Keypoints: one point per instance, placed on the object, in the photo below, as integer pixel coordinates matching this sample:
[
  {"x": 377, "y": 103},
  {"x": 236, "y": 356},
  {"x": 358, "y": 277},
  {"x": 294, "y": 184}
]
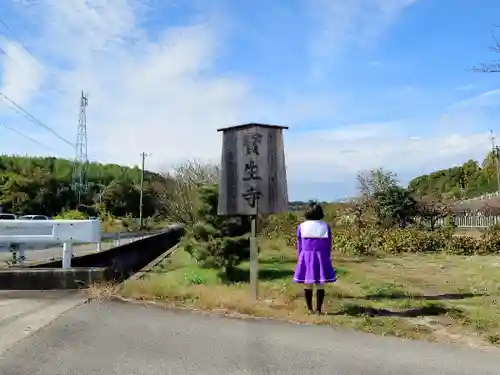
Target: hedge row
[{"x": 372, "y": 240}]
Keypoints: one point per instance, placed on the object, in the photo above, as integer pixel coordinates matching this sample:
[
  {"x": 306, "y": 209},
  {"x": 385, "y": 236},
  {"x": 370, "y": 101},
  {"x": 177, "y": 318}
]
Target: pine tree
[{"x": 218, "y": 242}]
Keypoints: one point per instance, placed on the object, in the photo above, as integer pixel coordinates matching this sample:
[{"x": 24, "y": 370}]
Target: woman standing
[{"x": 314, "y": 247}]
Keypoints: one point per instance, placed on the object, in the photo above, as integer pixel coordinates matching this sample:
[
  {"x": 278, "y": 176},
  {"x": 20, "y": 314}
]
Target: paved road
[
  {"x": 56, "y": 252},
  {"x": 116, "y": 338},
  {"x": 24, "y": 312}
]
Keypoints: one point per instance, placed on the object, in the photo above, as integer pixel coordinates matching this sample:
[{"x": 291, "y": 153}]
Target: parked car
[
  {"x": 33, "y": 217},
  {"x": 4, "y": 216}
]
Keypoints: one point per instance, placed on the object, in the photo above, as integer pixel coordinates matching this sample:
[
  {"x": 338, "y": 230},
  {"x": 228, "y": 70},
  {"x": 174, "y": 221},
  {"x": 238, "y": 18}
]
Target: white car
[
  {"x": 33, "y": 217},
  {"x": 4, "y": 216}
]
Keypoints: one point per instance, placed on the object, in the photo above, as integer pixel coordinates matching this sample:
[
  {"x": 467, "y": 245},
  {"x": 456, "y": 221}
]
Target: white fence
[
  {"x": 486, "y": 196},
  {"x": 461, "y": 221},
  {"x": 472, "y": 221}
]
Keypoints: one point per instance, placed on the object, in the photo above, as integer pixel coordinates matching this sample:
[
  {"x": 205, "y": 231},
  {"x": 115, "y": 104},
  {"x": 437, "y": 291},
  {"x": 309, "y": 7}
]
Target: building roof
[
  {"x": 476, "y": 204},
  {"x": 251, "y": 125}
]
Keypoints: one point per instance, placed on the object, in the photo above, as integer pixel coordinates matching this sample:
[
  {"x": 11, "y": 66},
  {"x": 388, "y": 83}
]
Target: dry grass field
[{"x": 437, "y": 297}]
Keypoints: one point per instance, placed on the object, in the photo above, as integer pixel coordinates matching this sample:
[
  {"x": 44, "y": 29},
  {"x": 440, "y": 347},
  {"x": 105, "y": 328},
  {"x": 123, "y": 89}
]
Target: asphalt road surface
[
  {"x": 24, "y": 312},
  {"x": 117, "y": 338},
  {"x": 56, "y": 252}
]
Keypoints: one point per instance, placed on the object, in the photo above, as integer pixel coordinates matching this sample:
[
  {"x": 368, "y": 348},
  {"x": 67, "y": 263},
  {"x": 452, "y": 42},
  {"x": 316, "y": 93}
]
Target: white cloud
[
  {"x": 21, "y": 73},
  {"x": 337, "y": 155},
  {"x": 468, "y": 87},
  {"x": 158, "y": 94},
  {"x": 161, "y": 94},
  {"x": 360, "y": 22},
  {"x": 486, "y": 99}
]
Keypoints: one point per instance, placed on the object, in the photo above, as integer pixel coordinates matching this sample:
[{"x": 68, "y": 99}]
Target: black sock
[
  {"x": 320, "y": 296},
  {"x": 308, "y": 293}
]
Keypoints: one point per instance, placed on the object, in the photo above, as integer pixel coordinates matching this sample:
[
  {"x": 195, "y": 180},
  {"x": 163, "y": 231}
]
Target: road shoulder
[{"x": 24, "y": 312}]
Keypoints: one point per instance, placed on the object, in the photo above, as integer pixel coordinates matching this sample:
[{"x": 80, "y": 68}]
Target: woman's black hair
[{"x": 314, "y": 211}]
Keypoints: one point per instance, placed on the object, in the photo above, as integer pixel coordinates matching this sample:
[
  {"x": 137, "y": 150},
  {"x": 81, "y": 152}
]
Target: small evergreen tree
[
  {"x": 219, "y": 242},
  {"x": 395, "y": 206},
  {"x": 449, "y": 222}
]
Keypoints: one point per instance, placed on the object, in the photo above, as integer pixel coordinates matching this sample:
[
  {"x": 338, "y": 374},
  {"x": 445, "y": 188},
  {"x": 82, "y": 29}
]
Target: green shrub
[
  {"x": 72, "y": 215},
  {"x": 212, "y": 250},
  {"x": 193, "y": 278},
  {"x": 129, "y": 224},
  {"x": 490, "y": 240},
  {"x": 369, "y": 241},
  {"x": 218, "y": 242},
  {"x": 282, "y": 226},
  {"x": 331, "y": 214},
  {"x": 449, "y": 222},
  {"x": 409, "y": 240},
  {"x": 462, "y": 245},
  {"x": 109, "y": 224},
  {"x": 356, "y": 242}
]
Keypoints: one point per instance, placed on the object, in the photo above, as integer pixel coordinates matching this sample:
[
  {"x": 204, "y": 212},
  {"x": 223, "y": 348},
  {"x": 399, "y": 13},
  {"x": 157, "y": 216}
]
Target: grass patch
[{"x": 446, "y": 298}]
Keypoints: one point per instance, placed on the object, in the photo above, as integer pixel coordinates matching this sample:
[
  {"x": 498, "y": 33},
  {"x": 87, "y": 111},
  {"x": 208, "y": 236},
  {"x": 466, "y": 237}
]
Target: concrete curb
[
  {"x": 221, "y": 312},
  {"x": 146, "y": 269}
]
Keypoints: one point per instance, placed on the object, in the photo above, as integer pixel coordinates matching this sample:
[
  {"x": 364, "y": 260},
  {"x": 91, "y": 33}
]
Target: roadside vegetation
[{"x": 398, "y": 274}]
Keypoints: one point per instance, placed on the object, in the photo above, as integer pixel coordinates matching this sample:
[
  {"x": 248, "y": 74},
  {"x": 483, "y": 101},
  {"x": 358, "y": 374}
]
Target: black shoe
[
  {"x": 320, "y": 296},
  {"x": 308, "y": 294}
]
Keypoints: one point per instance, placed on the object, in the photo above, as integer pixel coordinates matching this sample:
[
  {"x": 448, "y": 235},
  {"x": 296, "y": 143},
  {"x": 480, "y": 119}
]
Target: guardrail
[
  {"x": 67, "y": 232},
  {"x": 30, "y": 234},
  {"x": 118, "y": 236}
]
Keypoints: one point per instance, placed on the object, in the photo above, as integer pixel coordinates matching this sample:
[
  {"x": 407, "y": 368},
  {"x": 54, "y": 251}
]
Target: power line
[
  {"x": 25, "y": 113},
  {"x": 42, "y": 86},
  {"x": 36, "y": 121},
  {"x": 29, "y": 138},
  {"x": 23, "y": 46},
  {"x": 19, "y": 43}
]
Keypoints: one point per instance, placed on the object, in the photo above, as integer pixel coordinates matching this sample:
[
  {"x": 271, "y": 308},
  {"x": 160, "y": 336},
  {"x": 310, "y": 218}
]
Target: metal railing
[{"x": 28, "y": 237}]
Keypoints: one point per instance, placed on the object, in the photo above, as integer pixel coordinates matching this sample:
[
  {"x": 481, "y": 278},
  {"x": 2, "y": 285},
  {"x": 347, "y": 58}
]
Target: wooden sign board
[{"x": 253, "y": 171}]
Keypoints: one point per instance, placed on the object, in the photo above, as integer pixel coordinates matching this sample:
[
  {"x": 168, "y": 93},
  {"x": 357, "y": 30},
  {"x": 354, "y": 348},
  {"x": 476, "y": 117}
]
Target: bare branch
[
  {"x": 179, "y": 193},
  {"x": 486, "y": 68},
  {"x": 494, "y": 66},
  {"x": 374, "y": 181}
]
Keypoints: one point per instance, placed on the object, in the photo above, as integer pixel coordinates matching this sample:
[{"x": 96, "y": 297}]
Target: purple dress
[{"x": 314, "y": 245}]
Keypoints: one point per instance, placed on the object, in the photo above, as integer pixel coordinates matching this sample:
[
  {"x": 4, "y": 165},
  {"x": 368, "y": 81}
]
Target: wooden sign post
[{"x": 253, "y": 178}]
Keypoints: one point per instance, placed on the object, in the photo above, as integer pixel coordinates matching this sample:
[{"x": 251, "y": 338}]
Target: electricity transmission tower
[{"x": 80, "y": 183}]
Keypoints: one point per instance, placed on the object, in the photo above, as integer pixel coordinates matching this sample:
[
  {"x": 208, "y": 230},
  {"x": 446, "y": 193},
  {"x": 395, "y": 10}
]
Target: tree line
[
  {"x": 469, "y": 180},
  {"x": 43, "y": 185}
]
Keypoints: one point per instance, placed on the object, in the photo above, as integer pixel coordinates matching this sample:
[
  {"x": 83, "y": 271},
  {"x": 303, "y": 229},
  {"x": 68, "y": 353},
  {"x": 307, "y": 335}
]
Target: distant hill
[
  {"x": 42, "y": 185},
  {"x": 468, "y": 180}
]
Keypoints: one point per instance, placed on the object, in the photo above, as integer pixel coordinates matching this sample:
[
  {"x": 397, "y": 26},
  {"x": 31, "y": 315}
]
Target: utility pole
[
  {"x": 143, "y": 156},
  {"x": 496, "y": 155},
  {"x": 462, "y": 187}
]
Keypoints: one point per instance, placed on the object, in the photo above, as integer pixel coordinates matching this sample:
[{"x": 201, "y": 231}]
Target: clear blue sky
[{"x": 364, "y": 84}]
